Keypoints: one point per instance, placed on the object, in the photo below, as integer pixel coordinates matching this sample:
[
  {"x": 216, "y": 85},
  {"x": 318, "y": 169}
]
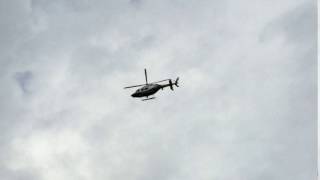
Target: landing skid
[{"x": 148, "y": 98}]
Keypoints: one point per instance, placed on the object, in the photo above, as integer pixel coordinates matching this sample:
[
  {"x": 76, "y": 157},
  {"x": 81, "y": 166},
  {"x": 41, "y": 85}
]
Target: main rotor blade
[
  {"x": 161, "y": 81},
  {"x": 134, "y": 86},
  {"x": 145, "y": 74}
]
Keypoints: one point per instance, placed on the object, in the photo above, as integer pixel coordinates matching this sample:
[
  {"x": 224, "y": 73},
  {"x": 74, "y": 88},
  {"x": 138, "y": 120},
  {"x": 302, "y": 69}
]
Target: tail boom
[{"x": 171, "y": 84}]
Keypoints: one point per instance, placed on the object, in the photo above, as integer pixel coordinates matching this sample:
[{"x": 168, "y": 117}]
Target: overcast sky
[{"x": 246, "y": 108}]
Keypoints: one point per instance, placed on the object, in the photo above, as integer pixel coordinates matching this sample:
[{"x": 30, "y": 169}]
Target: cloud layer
[{"x": 246, "y": 108}]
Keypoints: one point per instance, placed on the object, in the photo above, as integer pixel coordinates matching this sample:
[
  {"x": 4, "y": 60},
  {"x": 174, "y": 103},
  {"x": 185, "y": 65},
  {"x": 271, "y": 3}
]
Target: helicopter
[{"x": 149, "y": 89}]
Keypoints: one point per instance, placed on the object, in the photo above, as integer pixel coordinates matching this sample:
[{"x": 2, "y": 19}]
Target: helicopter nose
[{"x": 134, "y": 95}]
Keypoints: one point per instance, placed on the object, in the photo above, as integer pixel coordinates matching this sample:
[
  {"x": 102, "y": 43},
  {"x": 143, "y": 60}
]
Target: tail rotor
[{"x": 175, "y": 83}]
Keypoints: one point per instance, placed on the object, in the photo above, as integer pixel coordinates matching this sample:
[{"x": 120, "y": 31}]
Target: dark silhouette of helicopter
[{"x": 149, "y": 89}]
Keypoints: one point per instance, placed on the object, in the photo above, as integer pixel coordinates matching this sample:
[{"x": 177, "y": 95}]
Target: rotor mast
[{"x": 146, "y": 76}]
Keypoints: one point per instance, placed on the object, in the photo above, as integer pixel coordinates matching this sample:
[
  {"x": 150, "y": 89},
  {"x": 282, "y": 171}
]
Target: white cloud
[{"x": 246, "y": 108}]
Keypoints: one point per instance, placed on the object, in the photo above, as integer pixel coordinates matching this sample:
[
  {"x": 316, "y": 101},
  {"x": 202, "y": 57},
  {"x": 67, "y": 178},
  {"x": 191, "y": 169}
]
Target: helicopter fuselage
[{"x": 147, "y": 90}]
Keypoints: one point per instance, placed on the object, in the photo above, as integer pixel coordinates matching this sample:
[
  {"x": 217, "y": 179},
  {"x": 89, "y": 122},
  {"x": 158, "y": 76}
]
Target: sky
[{"x": 246, "y": 107}]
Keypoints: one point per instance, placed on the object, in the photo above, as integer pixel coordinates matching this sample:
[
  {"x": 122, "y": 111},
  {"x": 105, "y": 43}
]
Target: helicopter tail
[{"x": 175, "y": 83}]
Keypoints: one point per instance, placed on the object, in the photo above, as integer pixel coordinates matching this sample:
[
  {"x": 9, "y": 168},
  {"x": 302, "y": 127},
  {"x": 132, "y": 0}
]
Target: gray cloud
[
  {"x": 24, "y": 79},
  {"x": 246, "y": 108}
]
